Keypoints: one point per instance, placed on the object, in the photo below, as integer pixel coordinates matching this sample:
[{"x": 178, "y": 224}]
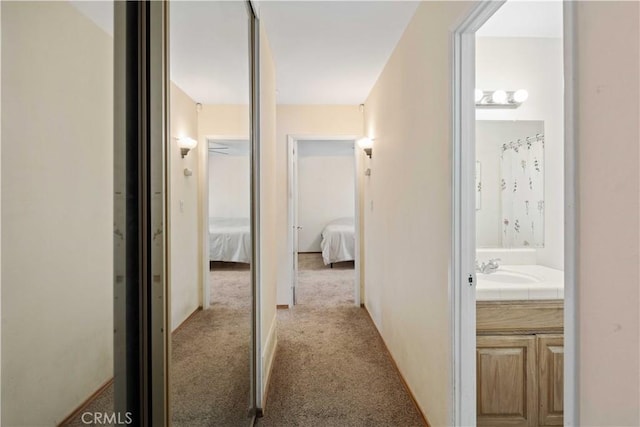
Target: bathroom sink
[{"x": 510, "y": 277}]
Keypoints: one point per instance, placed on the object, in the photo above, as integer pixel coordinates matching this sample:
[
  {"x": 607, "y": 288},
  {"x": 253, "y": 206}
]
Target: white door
[{"x": 293, "y": 214}]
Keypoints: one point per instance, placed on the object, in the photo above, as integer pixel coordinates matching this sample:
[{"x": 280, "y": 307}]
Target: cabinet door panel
[
  {"x": 551, "y": 378},
  {"x": 507, "y": 392}
]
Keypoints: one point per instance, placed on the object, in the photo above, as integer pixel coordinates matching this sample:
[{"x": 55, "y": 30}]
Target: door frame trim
[{"x": 141, "y": 230}]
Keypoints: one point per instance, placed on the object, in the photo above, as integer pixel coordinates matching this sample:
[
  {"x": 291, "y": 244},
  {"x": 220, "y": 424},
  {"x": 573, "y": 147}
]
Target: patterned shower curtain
[{"x": 522, "y": 184}]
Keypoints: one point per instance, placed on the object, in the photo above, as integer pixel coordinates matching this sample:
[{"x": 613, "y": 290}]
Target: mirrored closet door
[{"x": 210, "y": 241}]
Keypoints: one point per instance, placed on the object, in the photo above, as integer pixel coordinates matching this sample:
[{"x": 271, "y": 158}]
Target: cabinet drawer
[{"x": 519, "y": 317}]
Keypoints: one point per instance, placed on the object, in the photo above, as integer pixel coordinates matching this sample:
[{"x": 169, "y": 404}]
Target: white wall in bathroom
[{"x": 534, "y": 64}]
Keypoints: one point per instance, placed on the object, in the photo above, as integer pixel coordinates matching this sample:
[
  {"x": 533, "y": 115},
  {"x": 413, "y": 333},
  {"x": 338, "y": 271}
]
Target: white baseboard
[{"x": 267, "y": 358}]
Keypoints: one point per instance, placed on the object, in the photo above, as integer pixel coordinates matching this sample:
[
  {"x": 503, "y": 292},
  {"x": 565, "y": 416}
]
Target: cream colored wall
[
  {"x": 408, "y": 227},
  {"x": 57, "y": 211},
  {"x": 184, "y": 239},
  {"x": 408, "y": 112},
  {"x": 268, "y": 211},
  {"x": 608, "y": 137},
  {"x": 222, "y": 120},
  {"x": 316, "y": 120}
]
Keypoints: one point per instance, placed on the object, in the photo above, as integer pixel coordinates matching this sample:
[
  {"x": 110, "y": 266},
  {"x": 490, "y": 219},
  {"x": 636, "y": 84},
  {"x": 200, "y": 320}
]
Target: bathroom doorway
[{"x": 513, "y": 280}]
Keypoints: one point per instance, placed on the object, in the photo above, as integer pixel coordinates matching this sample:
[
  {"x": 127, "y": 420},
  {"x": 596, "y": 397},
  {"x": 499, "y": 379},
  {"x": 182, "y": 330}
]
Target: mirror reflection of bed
[
  {"x": 211, "y": 376},
  {"x": 325, "y": 221},
  {"x": 229, "y": 226}
]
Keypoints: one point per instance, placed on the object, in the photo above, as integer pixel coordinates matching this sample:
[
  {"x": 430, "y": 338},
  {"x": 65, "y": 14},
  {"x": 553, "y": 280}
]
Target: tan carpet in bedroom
[{"x": 331, "y": 368}]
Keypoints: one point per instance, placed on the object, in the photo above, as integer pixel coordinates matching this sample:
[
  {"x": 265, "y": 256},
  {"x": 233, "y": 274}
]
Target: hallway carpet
[{"x": 331, "y": 367}]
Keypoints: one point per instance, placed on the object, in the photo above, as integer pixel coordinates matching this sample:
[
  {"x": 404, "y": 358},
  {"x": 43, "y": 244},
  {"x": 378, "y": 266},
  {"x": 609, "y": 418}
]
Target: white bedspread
[
  {"x": 338, "y": 241},
  {"x": 229, "y": 240}
]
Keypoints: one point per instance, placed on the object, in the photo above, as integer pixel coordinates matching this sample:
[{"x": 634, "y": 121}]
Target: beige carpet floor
[{"x": 331, "y": 368}]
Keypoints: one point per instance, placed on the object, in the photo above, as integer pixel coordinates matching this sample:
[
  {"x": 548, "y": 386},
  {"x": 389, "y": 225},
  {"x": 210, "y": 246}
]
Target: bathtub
[{"x": 520, "y": 282}]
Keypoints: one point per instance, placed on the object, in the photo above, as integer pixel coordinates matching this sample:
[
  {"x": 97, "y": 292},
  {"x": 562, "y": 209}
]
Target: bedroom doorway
[{"x": 324, "y": 237}]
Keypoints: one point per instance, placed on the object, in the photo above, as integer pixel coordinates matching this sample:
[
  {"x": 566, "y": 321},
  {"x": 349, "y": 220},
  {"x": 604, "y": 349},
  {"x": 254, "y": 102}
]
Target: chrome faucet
[{"x": 488, "y": 267}]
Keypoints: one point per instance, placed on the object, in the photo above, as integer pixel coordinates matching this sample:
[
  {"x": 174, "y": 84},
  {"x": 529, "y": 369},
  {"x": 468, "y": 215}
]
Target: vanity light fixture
[
  {"x": 500, "y": 98},
  {"x": 367, "y": 145},
  {"x": 520, "y": 96},
  {"x": 186, "y": 144}
]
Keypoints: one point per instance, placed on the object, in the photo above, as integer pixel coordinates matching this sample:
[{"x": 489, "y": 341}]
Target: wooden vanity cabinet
[{"x": 519, "y": 363}]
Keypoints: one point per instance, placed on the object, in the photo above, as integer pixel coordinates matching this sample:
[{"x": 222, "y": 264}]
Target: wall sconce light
[
  {"x": 500, "y": 98},
  {"x": 367, "y": 145},
  {"x": 186, "y": 144}
]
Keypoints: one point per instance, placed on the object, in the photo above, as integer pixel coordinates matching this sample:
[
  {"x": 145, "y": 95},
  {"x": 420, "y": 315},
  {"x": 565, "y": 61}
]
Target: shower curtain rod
[{"x": 538, "y": 137}]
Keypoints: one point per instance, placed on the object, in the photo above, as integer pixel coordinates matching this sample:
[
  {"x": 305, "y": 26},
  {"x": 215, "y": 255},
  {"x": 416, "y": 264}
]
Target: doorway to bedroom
[{"x": 323, "y": 211}]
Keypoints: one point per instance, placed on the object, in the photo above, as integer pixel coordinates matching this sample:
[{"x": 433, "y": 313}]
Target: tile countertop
[{"x": 520, "y": 282}]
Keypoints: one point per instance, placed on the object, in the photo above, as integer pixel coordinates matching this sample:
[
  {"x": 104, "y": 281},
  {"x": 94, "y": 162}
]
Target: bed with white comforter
[
  {"x": 338, "y": 241},
  {"x": 229, "y": 240}
]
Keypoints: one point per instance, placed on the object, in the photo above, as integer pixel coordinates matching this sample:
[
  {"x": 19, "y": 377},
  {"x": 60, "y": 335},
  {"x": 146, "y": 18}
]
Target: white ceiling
[
  {"x": 209, "y": 50},
  {"x": 326, "y": 52},
  {"x": 521, "y": 18},
  {"x": 332, "y": 52}
]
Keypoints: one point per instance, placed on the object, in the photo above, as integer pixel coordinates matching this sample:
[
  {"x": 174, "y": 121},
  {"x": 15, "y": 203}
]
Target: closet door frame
[
  {"x": 141, "y": 332},
  {"x": 256, "y": 392}
]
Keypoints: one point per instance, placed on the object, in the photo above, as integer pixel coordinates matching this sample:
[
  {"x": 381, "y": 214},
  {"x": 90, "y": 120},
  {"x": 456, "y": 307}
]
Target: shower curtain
[{"x": 522, "y": 193}]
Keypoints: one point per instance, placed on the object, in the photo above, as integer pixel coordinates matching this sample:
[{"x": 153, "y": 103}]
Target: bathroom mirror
[{"x": 510, "y": 180}]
